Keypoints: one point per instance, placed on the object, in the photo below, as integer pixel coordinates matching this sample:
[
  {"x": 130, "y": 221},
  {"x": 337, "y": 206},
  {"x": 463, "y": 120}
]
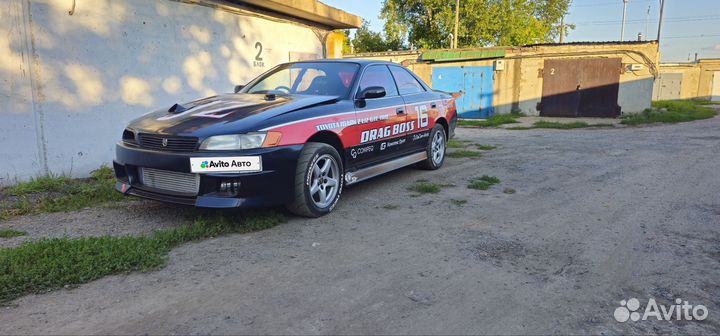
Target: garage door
[
  {"x": 667, "y": 86},
  {"x": 715, "y": 95},
  {"x": 581, "y": 88},
  {"x": 476, "y": 85}
]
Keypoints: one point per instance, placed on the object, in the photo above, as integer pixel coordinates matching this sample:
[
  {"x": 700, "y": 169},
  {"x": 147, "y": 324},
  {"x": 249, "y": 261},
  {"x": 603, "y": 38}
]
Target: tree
[
  {"x": 430, "y": 23},
  {"x": 366, "y": 40}
]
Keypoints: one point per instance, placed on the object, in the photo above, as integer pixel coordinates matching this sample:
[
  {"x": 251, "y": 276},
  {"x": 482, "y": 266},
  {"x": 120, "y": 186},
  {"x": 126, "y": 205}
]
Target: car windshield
[{"x": 321, "y": 78}]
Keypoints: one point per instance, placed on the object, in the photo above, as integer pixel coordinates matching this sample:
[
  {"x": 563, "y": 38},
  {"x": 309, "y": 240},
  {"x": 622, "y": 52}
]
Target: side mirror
[
  {"x": 238, "y": 88},
  {"x": 372, "y": 92}
]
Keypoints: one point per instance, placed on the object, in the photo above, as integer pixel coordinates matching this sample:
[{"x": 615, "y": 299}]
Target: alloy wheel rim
[
  {"x": 325, "y": 181},
  {"x": 438, "y": 148}
]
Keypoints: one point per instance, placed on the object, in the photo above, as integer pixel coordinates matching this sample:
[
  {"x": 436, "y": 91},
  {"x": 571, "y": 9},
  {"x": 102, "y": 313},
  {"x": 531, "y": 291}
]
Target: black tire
[
  {"x": 310, "y": 203},
  {"x": 434, "y": 161}
]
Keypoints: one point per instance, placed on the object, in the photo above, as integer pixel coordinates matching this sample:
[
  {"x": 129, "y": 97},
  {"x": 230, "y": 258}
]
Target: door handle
[{"x": 400, "y": 110}]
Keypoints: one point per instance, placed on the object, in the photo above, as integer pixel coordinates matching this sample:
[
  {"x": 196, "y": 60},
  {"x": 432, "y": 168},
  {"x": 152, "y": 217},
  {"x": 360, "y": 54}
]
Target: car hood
[{"x": 229, "y": 113}]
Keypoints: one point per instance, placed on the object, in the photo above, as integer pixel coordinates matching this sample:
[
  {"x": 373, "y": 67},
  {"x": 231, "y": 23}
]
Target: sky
[{"x": 689, "y": 26}]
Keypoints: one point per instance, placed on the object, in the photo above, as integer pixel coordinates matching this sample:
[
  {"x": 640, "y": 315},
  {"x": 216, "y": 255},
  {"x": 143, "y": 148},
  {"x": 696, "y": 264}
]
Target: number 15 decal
[{"x": 422, "y": 112}]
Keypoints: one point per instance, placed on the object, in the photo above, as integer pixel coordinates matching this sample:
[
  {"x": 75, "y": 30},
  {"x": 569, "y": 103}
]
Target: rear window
[{"x": 406, "y": 83}]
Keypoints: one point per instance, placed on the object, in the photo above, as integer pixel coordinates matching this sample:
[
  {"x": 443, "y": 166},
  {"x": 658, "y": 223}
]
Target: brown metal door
[
  {"x": 560, "y": 97},
  {"x": 581, "y": 87}
]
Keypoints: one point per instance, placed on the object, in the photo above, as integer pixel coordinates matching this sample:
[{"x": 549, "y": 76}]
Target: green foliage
[
  {"x": 670, "y": 112},
  {"x": 493, "y": 121},
  {"x": 458, "y": 202},
  {"x": 366, "y": 40},
  {"x": 483, "y": 183},
  {"x": 463, "y": 154},
  {"x": 456, "y": 144},
  {"x": 429, "y": 23},
  {"x": 11, "y": 233},
  {"x": 425, "y": 188},
  {"x": 39, "y": 184},
  {"x": 485, "y": 147},
  {"x": 48, "y": 264},
  {"x": 572, "y": 125},
  {"x": 60, "y": 193}
]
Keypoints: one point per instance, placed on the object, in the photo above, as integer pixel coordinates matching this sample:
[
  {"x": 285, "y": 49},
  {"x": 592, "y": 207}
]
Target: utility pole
[
  {"x": 457, "y": 23},
  {"x": 662, "y": 9},
  {"x": 562, "y": 29},
  {"x": 622, "y": 31}
]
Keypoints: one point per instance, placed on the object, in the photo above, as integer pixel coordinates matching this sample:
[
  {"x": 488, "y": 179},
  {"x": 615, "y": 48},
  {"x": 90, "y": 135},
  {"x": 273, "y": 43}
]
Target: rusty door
[{"x": 581, "y": 87}]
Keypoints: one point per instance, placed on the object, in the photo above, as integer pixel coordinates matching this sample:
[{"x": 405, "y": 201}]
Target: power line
[
  {"x": 675, "y": 19},
  {"x": 610, "y": 3},
  {"x": 691, "y": 36}
]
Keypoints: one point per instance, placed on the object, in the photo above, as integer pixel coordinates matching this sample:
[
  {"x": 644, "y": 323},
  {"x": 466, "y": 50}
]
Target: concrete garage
[
  {"x": 594, "y": 79},
  {"x": 75, "y": 72},
  {"x": 696, "y": 80}
]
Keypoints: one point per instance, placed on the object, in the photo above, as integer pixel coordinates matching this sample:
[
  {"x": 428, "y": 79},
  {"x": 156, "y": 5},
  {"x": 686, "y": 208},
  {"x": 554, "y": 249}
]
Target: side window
[
  {"x": 405, "y": 81},
  {"x": 378, "y": 75}
]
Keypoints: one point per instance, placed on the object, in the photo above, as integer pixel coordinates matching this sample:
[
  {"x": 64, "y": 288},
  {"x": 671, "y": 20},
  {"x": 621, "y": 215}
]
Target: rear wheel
[
  {"x": 318, "y": 181},
  {"x": 435, "y": 149}
]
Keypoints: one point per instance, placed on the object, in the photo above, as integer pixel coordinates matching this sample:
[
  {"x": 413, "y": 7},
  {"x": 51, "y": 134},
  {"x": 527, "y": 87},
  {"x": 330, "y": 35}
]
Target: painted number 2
[{"x": 258, "y": 62}]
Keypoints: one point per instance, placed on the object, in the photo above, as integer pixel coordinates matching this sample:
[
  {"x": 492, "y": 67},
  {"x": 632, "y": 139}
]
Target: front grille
[
  {"x": 168, "y": 143},
  {"x": 182, "y": 183}
]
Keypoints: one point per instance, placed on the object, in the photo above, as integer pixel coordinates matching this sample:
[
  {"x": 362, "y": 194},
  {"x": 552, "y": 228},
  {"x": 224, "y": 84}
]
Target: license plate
[{"x": 230, "y": 164}]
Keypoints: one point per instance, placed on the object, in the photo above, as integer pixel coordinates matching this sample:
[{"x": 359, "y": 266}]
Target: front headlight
[{"x": 233, "y": 142}]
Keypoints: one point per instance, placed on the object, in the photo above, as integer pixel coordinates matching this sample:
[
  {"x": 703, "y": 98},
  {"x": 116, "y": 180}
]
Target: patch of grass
[
  {"x": 11, "y": 233},
  {"x": 485, "y": 147},
  {"x": 493, "y": 121},
  {"x": 519, "y": 128},
  {"x": 48, "y": 264},
  {"x": 564, "y": 126},
  {"x": 425, "y": 188},
  {"x": 60, "y": 193},
  {"x": 39, "y": 184},
  {"x": 674, "y": 112},
  {"x": 463, "y": 154},
  {"x": 458, "y": 202},
  {"x": 705, "y": 102},
  {"x": 483, "y": 183},
  {"x": 390, "y": 206},
  {"x": 456, "y": 144}
]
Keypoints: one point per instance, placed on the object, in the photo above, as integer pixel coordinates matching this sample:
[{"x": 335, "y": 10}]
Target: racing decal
[
  {"x": 422, "y": 112},
  {"x": 387, "y": 131},
  {"x": 217, "y": 109},
  {"x": 360, "y": 151},
  {"x": 420, "y": 136}
]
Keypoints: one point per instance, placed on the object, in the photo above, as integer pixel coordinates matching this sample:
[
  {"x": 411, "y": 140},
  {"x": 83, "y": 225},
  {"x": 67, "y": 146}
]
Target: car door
[
  {"x": 421, "y": 106},
  {"x": 377, "y": 119}
]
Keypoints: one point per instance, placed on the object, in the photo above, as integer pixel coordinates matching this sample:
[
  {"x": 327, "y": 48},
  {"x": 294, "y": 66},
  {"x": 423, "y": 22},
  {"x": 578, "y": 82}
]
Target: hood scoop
[{"x": 177, "y": 108}]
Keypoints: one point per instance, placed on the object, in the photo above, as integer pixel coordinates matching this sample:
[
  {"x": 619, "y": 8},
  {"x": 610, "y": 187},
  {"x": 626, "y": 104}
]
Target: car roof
[{"x": 362, "y": 62}]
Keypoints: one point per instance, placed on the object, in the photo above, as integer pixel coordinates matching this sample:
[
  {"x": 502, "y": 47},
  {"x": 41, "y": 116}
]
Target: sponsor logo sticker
[{"x": 226, "y": 164}]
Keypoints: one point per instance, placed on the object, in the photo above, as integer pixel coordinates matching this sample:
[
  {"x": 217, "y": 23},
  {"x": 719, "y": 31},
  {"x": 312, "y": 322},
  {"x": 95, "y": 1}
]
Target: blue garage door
[{"x": 476, "y": 84}]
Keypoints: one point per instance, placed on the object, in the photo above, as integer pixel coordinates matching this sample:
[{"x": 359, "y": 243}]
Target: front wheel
[
  {"x": 435, "y": 149},
  {"x": 318, "y": 181}
]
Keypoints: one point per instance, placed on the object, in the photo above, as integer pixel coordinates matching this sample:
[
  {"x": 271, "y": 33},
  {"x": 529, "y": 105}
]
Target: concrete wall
[
  {"x": 70, "y": 83},
  {"x": 518, "y": 88},
  {"x": 697, "y": 78}
]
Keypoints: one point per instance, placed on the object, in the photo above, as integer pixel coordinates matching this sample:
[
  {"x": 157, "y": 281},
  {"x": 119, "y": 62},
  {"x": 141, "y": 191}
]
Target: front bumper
[{"x": 274, "y": 185}]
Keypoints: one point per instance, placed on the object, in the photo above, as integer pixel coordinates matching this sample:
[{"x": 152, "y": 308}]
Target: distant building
[
  {"x": 75, "y": 72},
  {"x": 593, "y": 79},
  {"x": 697, "y": 80}
]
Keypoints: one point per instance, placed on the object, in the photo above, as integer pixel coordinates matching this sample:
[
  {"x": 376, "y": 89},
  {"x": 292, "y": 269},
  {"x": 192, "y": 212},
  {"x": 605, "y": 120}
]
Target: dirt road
[{"x": 598, "y": 216}]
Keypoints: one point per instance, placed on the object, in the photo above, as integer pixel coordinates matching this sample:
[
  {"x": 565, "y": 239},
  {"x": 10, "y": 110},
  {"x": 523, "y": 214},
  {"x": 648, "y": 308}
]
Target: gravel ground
[{"x": 598, "y": 216}]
